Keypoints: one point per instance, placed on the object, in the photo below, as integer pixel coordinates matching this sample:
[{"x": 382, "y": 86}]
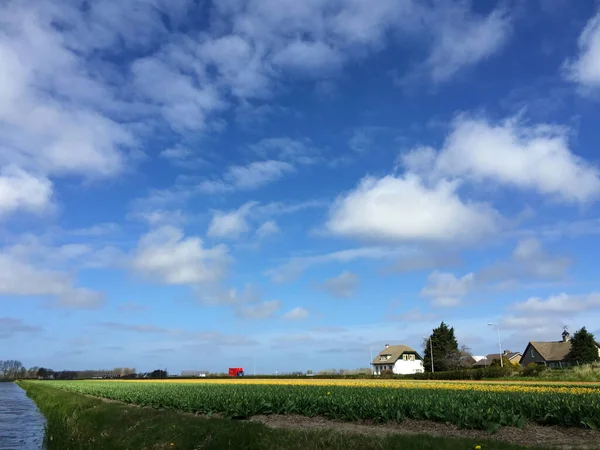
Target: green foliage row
[
  {"x": 75, "y": 422},
  {"x": 467, "y": 409},
  {"x": 464, "y": 374}
]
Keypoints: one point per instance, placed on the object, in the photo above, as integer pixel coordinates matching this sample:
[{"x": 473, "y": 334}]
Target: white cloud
[
  {"x": 529, "y": 260},
  {"x": 404, "y": 208},
  {"x": 186, "y": 101},
  {"x": 217, "y": 295},
  {"x": 20, "y": 277},
  {"x": 230, "y": 224},
  {"x": 295, "y": 266},
  {"x": 527, "y": 157},
  {"x": 251, "y": 176},
  {"x": 298, "y": 313},
  {"x": 165, "y": 255},
  {"x": 342, "y": 286},
  {"x": 312, "y": 57},
  {"x": 585, "y": 68},
  {"x": 297, "y": 151},
  {"x": 444, "y": 289},
  {"x": 268, "y": 228},
  {"x": 263, "y": 310},
  {"x": 464, "y": 39},
  {"x": 22, "y": 191},
  {"x": 562, "y": 304}
]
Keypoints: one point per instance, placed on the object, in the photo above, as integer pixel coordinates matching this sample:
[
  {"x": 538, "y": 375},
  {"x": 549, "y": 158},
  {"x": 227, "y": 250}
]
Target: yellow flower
[
  {"x": 478, "y": 447},
  {"x": 172, "y": 444},
  {"x": 329, "y": 393}
]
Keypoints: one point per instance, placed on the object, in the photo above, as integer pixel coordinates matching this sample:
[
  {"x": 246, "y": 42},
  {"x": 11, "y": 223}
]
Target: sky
[{"x": 288, "y": 186}]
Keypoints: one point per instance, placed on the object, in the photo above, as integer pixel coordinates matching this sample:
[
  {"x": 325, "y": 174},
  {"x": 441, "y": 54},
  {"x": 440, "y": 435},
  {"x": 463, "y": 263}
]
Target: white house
[{"x": 400, "y": 359}]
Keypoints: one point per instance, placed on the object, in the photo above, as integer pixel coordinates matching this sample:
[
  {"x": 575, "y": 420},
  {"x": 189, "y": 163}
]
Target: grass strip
[{"x": 77, "y": 422}]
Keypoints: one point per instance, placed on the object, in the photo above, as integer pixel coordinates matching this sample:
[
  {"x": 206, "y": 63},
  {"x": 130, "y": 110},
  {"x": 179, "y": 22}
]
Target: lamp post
[
  {"x": 499, "y": 344},
  {"x": 430, "y": 350}
]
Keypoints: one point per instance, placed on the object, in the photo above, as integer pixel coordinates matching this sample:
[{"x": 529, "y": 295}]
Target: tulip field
[{"x": 479, "y": 405}]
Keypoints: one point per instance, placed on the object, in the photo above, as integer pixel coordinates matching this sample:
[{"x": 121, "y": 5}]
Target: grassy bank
[{"x": 78, "y": 422}]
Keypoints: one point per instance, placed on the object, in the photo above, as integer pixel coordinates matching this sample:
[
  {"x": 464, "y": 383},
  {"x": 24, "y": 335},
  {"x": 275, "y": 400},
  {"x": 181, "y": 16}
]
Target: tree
[
  {"x": 583, "y": 348},
  {"x": 446, "y": 355}
]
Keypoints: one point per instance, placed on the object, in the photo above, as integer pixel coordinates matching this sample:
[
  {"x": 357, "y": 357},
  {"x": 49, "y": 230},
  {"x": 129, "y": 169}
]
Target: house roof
[
  {"x": 552, "y": 351},
  {"x": 395, "y": 352},
  {"x": 511, "y": 355}
]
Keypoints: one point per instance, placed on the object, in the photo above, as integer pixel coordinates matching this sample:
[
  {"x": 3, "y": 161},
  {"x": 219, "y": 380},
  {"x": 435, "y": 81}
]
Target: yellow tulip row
[{"x": 482, "y": 386}]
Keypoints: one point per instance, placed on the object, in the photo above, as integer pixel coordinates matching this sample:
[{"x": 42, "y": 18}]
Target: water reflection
[{"x": 21, "y": 424}]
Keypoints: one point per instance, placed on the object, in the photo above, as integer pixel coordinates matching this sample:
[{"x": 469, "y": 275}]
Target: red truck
[{"x": 236, "y": 372}]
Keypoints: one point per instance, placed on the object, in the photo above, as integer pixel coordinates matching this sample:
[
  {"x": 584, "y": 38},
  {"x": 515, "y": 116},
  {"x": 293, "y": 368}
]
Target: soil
[{"x": 530, "y": 435}]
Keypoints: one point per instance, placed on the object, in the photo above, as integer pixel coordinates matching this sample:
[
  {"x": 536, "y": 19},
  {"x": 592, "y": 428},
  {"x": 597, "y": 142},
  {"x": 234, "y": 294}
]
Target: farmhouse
[
  {"x": 551, "y": 354},
  {"x": 400, "y": 359}
]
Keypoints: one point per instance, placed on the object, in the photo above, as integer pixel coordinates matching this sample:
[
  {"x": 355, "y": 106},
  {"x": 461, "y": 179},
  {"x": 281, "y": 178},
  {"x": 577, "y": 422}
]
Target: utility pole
[
  {"x": 499, "y": 344},
  {"x": 371, "y": 361}
]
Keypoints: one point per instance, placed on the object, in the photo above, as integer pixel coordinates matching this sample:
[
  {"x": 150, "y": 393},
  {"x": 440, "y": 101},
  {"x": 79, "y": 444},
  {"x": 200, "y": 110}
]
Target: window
[
  {"x": 404, "y": 357},
  {"x": 411, "y": 357}
]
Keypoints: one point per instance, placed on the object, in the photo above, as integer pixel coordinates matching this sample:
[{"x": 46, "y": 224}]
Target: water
[{"x": 21, "y": 424}]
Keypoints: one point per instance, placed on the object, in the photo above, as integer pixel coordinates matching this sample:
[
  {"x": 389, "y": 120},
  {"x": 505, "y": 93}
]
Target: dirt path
[{"x": 530, "y": 435}]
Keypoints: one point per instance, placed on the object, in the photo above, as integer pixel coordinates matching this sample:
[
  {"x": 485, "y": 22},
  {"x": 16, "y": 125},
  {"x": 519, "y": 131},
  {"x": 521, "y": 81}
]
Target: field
[
  {"x": 77, "y": 422},
  {"x": 477, "y": 405}
]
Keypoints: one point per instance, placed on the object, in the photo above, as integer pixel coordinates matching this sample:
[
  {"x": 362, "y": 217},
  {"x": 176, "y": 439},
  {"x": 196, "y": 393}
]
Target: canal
[{"x": 21, "y": 423}]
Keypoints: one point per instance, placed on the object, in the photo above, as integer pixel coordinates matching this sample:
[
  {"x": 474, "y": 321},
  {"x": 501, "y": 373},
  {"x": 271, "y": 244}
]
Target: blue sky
[{"x": 197, "y": 186}]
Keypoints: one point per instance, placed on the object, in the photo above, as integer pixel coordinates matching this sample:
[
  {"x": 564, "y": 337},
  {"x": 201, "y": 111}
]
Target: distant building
[
  {"x": 400, "y": 359},
  {"x": 194, "y": 373},
  {"x": 551, "y": 354},
  {"x": 513, "y": 357}
]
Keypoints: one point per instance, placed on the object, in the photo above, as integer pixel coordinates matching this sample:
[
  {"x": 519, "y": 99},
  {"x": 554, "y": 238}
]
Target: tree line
[{"x": 13, "y": 369}]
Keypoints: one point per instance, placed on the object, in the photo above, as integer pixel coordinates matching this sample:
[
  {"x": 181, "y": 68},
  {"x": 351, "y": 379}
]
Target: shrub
[{"x": 533, "y": 369}]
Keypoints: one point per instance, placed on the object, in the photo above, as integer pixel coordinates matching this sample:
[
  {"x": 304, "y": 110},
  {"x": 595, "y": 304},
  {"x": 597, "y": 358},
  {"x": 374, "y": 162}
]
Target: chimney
[
  {"x": 566, "y": 336},
  {"x": 387, "y": 345}
]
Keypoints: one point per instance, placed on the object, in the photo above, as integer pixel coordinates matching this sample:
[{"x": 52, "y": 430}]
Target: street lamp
[
  {"x": 430, "y": 350},
  {"x": 499, "y": 344}
]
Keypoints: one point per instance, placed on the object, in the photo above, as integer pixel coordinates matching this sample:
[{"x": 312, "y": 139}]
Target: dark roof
[
  {"x": 395, "y": 352},
  {"x": 552, "y": 351},
  {"x": 493, "y": 356}
]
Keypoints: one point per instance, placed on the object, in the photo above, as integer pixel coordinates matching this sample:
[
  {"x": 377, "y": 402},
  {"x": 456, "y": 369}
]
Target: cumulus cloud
[
  {"x": 445, "y": 289},
  {"x": 230, "y": 224},
  {"x": 584, "y": 69},
  {"x": 298, "y": 313},
  {"x": 535, "y": 157},
  {"x": 342, "y": 286},
  {"x": 165, "y": 255},
  {"x": 405, "y": 208}
]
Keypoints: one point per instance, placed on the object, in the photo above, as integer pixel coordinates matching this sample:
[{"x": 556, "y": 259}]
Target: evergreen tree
[
  {"x": 583, "y": 348},
  {"x": 446, "y": 355}
]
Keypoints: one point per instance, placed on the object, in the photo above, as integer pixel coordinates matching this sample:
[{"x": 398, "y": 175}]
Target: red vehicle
[{"x": 236, "y": 372}]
